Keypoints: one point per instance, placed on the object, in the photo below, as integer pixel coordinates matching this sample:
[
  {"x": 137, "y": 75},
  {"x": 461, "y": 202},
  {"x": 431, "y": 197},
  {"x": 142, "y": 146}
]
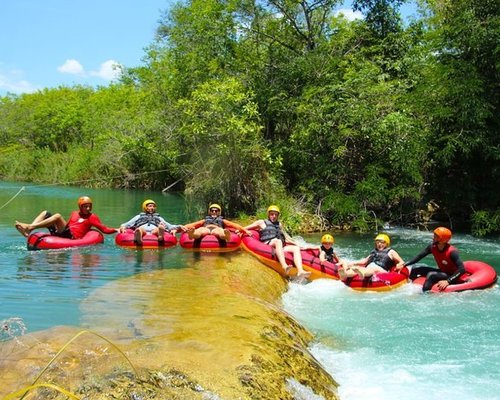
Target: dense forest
[{"x": 344, "y": 124}]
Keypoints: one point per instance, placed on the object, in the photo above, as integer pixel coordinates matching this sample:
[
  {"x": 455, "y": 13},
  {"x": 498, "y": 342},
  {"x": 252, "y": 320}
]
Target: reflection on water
[
  {"x": 58, "y": 265},
  {"x": 148, "y": 260}
]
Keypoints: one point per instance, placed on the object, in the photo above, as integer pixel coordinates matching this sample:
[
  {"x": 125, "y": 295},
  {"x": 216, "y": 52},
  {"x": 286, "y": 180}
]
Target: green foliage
[
  {"x": 295, "y": 214},
  {"x": 227, "y": 160},
  {"x": 251, "y": 103},
  {"x": 78, "y": 166},
  {"x": 459, "y": 93},
  {"x": 381, "y": 15},
  {"x": 51, "y": 118},
  {"x": 196, "y": 43},
  {"x": 485, "y": 222}
]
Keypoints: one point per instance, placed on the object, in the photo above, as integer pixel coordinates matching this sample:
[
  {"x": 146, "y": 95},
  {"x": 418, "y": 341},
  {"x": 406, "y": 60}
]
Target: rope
[
  {"x": 13, "y": 197},
  {"x": 94, "y": 179},
  {"x": 90, "y": 180}
]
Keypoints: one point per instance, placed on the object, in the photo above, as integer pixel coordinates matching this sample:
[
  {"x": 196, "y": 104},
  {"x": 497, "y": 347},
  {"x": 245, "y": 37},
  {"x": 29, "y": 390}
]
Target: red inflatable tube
[
  {"x": 210, "y": 243},
  {"x": 126, "y": 239},
  {"x": 311, "y": 262},
  {"x": 478, "y": 275},
  {"x": 46, "y": 241}
]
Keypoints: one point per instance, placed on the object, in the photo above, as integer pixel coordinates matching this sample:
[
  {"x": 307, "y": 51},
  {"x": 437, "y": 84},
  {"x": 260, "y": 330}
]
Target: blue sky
[{"x": 48, "y": 43}]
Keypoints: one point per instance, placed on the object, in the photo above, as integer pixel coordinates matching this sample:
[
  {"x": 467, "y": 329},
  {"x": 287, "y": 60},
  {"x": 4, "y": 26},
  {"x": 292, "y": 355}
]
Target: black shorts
[{"x": 66, "y": 233}]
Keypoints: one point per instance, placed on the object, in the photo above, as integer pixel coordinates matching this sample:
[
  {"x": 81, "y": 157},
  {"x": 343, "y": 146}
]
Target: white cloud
[
  {"x": 108, "y": 70},
  {"x": 349, "y": 14},
  {"x": 71, "y": 67},
  {"x": 12, "y": 81}
]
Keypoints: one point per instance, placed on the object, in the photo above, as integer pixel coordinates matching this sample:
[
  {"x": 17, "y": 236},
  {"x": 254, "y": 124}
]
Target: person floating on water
[
  {"x": 327, "y": 253},
  {"x": 213, "y": 224},
  {"x": 79, "y": 224},
  {"x": 381, "y": 259},
  {"x": 447, "y": 259},
  {"x": 273, "y": 234},
  {"x": 149, "y": 222}
]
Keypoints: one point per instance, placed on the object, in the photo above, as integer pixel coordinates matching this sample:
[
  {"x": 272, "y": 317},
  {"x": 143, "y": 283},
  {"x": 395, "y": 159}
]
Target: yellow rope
[
  {"x": 72, "y": 340},
  {"x": 25, "y": 390}
]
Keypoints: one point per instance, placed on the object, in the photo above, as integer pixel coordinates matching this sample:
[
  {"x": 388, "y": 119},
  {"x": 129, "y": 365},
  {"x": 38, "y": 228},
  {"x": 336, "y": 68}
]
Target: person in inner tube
[
  {"x": 149, "y": 222},
  {"x": 381, "y": 259},
  {"x": 79, "y": 223},
  {"x": 273, "y": 234},
  {"x": 447, "y": 259},
  {"x": 327, "y": 252},
  {"x": 213, "y": 224}
]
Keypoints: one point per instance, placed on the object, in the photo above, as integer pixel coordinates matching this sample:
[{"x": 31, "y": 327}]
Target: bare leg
[
  {"x": 40, "y": 217},
  {"x": 138, "y": 234},
  {"x": 41, "y": 222},
  {"x": 350, "y": 271},
  {"x": 161, "y": 233},
  {"x": 198, "y": 233},
  {"x": 278, "y": 246},
  {"x": 368, "y": 271},
  {"x": 22, "y": 227},
  {"x": 297, "y": 259},
  {"x": 223, "y": 234}
]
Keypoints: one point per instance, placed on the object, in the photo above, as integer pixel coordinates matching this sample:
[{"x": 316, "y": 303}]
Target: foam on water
[{"x": 403, "y": 344}]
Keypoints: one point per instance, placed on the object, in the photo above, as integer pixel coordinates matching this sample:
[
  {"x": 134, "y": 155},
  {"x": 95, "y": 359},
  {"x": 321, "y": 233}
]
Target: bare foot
[
  {"x": 22, "y": 229},
  {"x": 342, "y": 274},
  {"x": 304, "y": 274},
  {"x": 138, "y": 237},
  {"x": 227, "y": 235},
  {"x": 288, "y": 269}
]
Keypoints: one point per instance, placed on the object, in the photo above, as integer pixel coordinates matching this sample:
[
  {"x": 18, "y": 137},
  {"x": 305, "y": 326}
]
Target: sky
[{"x": 49, "y": 43}]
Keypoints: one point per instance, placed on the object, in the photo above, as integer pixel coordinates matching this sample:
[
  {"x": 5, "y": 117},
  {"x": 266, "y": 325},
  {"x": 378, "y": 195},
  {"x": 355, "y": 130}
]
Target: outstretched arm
[
  {"x": 288, "y": 238},
  {"x": 129, "y": 223},
  {"x": 419, "y": 256},
  {"x": 361, "y": 263},
  {"x": 235, "y": 226},
  {"x": 257, "y": 225},
  {"x": 194, "y": 225},
  {"x": 170, "y": 227},
  {"x": 96, "y": 222}
]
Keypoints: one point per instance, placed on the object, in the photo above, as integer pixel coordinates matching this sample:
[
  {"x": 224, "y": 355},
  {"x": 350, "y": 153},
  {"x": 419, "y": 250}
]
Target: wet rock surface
[{"x": 214, "y": 331}]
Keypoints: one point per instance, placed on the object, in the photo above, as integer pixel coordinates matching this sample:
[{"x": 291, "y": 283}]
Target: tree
[
  {"x": 222, "y": 137},
  {"x": 459, "y": 94},
  {"x": 381, "y": 16}
]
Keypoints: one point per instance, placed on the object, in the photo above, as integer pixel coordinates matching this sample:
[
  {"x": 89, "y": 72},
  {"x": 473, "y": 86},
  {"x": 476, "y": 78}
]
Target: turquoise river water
[{"x": 392, "y": 345}]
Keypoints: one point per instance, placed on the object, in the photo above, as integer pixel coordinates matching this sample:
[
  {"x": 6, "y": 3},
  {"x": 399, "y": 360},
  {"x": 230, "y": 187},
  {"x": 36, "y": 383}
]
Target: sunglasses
[{"x": 214, "y": 210}]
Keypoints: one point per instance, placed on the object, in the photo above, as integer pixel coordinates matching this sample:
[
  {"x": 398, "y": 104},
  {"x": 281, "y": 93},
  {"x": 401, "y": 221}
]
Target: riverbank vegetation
[{"x": 356, "y": 123}]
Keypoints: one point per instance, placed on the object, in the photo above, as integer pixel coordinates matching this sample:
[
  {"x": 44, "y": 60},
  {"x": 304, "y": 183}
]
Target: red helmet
[
  {"x": 442, "y": 234},
  {"x": 84, "y": 200}
]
